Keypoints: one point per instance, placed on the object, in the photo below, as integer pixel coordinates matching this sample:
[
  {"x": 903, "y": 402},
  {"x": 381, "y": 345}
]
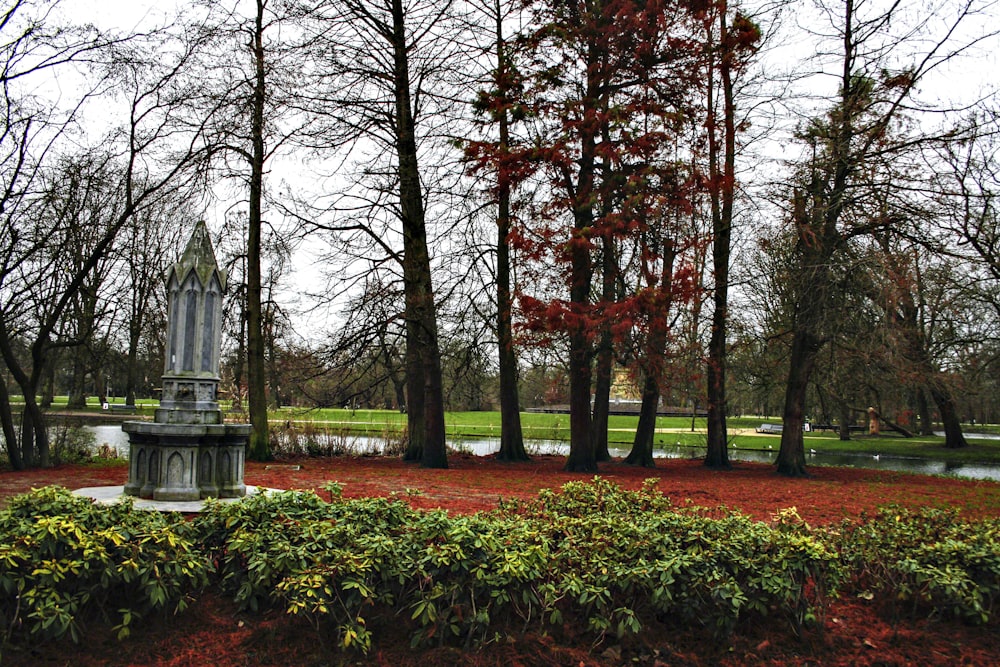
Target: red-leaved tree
[{"x": 606, "y": 83}]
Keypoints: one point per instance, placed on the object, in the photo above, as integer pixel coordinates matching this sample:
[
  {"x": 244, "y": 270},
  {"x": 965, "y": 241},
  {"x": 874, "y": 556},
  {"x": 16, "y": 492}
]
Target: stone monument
[{"x": 188, "y": 452}]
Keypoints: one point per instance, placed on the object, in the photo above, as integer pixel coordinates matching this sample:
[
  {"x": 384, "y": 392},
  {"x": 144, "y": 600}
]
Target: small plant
[
  {"x": 335, "y": 489},
  {"x": 394, "y": 441},
  {"x": 72, "y": 444},
  {"x": 107, "y": 452}
]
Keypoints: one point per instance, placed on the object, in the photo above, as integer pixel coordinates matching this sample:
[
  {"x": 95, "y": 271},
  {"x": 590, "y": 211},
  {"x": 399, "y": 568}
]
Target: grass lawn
[
  {"x": 670, "y": 431},
  {"x": 621, "y": 430}
]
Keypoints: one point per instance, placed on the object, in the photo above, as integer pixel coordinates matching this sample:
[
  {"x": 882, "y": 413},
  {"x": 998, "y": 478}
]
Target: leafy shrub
[
  {"x": 610, "y": 558},
  {"x": 627, "y": 555},
  {"x": 590, "y": 555},
  {"x": 325, "y": 560},
  {"x": 64, "y": 559},
  {"x": 929, "y": 560}
]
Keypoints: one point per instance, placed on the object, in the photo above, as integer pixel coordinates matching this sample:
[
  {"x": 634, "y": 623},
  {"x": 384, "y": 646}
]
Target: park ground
[{"x": 213, "y": 631}]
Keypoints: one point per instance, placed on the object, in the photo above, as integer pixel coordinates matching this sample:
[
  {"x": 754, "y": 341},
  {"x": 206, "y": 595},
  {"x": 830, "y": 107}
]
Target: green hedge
[
  {"x": 589, "y": 556},
  {"x": 64, "y": 559},
  {"x": 926, "y": 561},
  {"x": 593, "y": 554}
]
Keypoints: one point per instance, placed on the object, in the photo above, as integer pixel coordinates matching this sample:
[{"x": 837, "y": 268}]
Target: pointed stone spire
[
  {"x": 199, "y": 256},
  {"x": 191, "y": 369}
]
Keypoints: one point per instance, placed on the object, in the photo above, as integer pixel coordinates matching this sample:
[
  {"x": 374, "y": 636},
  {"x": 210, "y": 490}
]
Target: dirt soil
[{"x": 214, "y": 632}]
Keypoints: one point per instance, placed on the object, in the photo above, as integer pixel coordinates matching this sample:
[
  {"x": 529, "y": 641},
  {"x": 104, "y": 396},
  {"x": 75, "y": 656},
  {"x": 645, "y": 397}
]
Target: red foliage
[{"x": 475, "y": 483}]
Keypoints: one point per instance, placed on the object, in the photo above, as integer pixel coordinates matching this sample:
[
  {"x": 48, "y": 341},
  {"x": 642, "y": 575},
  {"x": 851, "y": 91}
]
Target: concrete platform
[{"x": 109, "y": 495}]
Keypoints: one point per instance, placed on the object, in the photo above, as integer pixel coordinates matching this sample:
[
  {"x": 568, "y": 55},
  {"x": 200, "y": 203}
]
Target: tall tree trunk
[
  {"x": 34, "y": 440},
  {"x": 602, "y": 396},
  {"x": 392, "y": 371},
  {"x": 48, "y": 382},
  {"x": 642, "y": 444},
  {"x": 425, "y": 415},
  {"x": 139, "y": 301},
  {"x": 132, "y": 363},
  {"x": 415, "y": 408},
  {"x": 846, "y": 418},
  {"x": 653, "y": 362},
  {"x": 240, "y": 361},
  {"x": 604, "y": 366},
  {"x": 924, "y": 412},
  {"x": 29, "y": 456},
  {"x": 76, "y": 393},
  {"x": 34, "y": 435},
  {"x": 953, "y": 437},
  {"x": 399, "y": 391},
  {"x": 791, "y": 459},
  {"x": 11, "y": 442},
  {"x": 582, "y": 457},
  {"x": 816, "y": 216},
  {"x": 260, "y": 446},
  {"x": 511, "y": 435},
  {"x": 722, "y": 197},
  {"x": 581, "y": 447},
  {"x": 274, "y": 381}
]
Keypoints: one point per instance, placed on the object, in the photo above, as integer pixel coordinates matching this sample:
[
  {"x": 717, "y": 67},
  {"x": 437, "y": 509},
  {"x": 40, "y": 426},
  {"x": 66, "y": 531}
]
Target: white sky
[{"x": 121, "y": 14}]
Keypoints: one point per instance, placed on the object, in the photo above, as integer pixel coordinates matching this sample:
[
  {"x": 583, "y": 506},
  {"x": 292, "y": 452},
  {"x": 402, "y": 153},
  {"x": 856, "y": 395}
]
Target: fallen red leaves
[
  {"x": 213, "y": 631},
  {"x": 474, "y": 483}
]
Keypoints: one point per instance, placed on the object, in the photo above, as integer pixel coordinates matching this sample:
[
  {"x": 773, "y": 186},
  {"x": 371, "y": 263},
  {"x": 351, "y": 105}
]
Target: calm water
[{"x": 114, "y": 436}]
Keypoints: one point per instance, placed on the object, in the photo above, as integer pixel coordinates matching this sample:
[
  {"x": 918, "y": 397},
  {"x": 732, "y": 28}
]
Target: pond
[{"x": 113, "y": 435}]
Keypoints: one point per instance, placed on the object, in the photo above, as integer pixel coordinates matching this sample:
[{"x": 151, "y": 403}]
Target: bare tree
[
  {"x": 151, "y": 241},
  {"x": 154, "y": 130},
  {"x": 851, "y": 147},
  {"x": 967, "y": 188},
  {"x": 498, "y": 105},
  {"x": 251, "y": 59},
  {"x": 732, "y": 39},
  {"x": 385, "y": 85}
]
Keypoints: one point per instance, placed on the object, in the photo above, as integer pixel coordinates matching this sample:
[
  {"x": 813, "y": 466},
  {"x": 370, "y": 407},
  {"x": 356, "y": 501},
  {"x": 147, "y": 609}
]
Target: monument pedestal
[{"x": 186, "y": 461}]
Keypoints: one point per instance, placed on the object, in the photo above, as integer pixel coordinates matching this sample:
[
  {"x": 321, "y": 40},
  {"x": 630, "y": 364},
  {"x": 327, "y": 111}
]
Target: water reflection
[{"x": 113, "y": 435}]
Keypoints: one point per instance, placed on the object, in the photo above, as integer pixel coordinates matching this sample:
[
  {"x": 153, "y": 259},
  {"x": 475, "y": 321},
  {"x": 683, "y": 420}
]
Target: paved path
[{"x": 109, "y": 495}]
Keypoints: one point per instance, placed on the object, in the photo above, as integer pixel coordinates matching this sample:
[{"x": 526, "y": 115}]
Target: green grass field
[
  {"x": 621, "y": 430},
  {"x": 670, "y": 431}
]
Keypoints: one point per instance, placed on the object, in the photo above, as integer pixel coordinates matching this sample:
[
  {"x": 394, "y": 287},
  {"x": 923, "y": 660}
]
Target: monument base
[{"x": 184, "y": 462}]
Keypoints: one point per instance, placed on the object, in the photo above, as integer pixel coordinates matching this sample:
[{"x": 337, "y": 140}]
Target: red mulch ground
[{"x": 213, "y": 632}]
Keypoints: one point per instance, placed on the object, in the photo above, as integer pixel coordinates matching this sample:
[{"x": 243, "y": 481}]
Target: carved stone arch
[
  {"x": 210, "y": 325},
  {"x": 174, "y": 320},
  {"x": 140, "y": 467},
  {"x": 205, "y": 466},
  {"x": 191, "y": 291},
  {"x": 175, "y": 469}
]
